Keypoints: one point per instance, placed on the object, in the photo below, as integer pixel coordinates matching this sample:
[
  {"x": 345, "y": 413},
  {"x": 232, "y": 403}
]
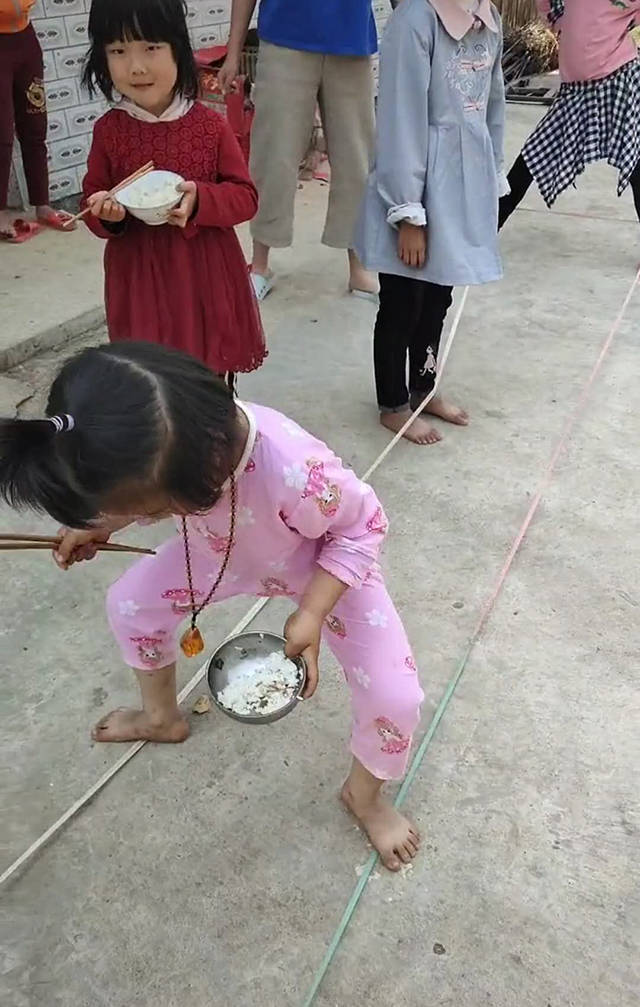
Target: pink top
[
  {"x": 594, "y": 36},
  {"x": 297, "y": 507}
]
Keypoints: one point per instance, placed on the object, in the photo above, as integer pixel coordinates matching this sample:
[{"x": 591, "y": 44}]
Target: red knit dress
[{"x": 188, "y": 288}]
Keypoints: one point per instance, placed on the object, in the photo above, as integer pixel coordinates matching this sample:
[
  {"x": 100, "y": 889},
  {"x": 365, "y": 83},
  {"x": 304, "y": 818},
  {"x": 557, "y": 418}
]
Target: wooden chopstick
[
  {"x": 44, "y": 542},
  {"x": 133, "y": 177}
]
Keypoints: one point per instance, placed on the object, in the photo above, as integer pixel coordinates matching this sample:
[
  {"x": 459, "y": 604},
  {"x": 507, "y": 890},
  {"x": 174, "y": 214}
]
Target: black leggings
[
  {"x": 410, "y": 318},
  {"x": 520, "y": 178}
]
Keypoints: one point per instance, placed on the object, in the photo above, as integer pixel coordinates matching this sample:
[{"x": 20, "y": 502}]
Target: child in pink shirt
[
  {"x": 596, "y": 114},
  {"x": 594, "y": 35},
  {"x": 135, "y": 428}
]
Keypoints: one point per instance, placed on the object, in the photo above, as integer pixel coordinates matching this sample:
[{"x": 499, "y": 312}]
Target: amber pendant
[{"x": 192, "y": 643}]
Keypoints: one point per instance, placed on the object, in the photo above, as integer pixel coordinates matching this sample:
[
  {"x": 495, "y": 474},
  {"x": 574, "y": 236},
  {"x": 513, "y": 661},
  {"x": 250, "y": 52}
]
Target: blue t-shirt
[{"x": 339, "y": 27}]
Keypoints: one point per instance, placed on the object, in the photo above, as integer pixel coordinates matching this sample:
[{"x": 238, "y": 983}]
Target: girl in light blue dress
[{"x": 429, "y": 218}]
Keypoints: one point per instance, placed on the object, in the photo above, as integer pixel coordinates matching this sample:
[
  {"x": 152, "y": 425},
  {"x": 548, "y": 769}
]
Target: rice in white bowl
[
  {"x": 153, "y": 194},
  {"x": 261, "y": 686}
]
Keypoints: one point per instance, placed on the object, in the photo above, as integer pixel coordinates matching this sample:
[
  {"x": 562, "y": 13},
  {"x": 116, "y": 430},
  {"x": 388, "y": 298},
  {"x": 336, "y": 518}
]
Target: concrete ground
[{"x": 216, "y": 872}]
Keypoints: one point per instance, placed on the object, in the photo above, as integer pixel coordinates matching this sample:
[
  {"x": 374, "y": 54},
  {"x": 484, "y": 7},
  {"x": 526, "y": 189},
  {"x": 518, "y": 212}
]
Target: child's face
[{"x": 145, "y": 72}]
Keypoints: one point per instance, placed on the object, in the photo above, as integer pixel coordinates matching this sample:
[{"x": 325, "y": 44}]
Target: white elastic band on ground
[
  {"x": 122, "y": 761},
  {"x": 239, "y": 628}
]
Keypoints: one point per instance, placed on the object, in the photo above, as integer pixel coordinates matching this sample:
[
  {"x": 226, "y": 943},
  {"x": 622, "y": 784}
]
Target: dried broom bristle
[
  {"x": 529, "y": 50},
  {"x": 517, "y": 13}
]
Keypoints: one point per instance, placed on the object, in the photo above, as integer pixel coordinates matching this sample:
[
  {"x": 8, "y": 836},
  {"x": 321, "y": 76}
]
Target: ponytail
[{"x": 33, "y": 471}]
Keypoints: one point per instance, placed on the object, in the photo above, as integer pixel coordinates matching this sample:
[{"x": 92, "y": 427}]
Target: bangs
[{"x": 137, "y": 21}]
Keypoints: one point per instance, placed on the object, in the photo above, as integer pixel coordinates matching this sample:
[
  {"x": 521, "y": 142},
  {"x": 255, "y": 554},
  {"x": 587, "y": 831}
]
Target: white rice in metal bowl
[{"x": 261, "y": 686}]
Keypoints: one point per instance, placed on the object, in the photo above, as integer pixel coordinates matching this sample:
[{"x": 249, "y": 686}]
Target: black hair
[
  {"x": 144, "y": 417},
  {"x": 148, "y": 20}
]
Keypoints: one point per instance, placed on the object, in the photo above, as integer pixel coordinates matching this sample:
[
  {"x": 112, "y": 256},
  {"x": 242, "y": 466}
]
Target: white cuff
[
  {"x": 413, "y": 213},
  {"x": 503, "y": 183}
]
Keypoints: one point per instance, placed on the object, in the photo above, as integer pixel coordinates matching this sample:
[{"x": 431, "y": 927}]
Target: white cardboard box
[
  {"x": 62, "y": 183},
  {"x": 81, "y": 118},
  {"x": 69, "y": 61},
  {"x": 61, "y": 93},
  {"x": 77, "y": 30},
  {"x": 57, "y": 128},
  {"x": 50, "y": 32},
  {"x": 56, "y": 8}
]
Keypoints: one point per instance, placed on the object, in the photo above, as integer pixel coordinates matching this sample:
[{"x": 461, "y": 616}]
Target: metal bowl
[{"x": 225, "y": 664}]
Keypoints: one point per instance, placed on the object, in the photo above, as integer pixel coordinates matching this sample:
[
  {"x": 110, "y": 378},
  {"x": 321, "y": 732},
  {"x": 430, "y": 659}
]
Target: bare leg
[
  {"x": 359, "y": 277},
  {"x": 395, "y": 839},
  {"x": 7, "y": 230},
  {"x": 260, "y": 261},
  {"x": 47, "y": 213},
  {"x": 159, "y": 720}
]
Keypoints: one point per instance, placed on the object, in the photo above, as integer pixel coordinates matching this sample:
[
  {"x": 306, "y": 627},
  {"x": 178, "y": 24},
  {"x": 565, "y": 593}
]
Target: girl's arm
[
  {"x": 328, "y": 502},
  {"x": 403, "y": 116},
  {"x": 303, "y": 630},
  {"x": 496, "y": 108},
  {"x": 241, "y": 14},
  {"x": 99, "y": 178},
  {"x": 232, "y": 198}
]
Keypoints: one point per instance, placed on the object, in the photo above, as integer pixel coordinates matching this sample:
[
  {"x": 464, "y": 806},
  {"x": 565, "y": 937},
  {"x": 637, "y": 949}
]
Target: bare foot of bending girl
[
  {"x": 160, "y": 718},
  {"x": 391, "y": 834}
]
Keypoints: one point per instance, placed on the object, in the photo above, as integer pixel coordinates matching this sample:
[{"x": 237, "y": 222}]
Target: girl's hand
[
  {"x": 183, "y": 213},
  {"x": 106, "y": 207},
  {"x": 302, "y": 633},
  {"x": 412, "y": 244},
  {"x": 77, "y": 546}
]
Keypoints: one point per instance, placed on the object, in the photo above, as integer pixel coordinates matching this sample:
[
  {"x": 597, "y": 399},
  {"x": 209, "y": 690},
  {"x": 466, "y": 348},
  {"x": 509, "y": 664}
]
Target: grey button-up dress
[{"x": 439, "y": 156}]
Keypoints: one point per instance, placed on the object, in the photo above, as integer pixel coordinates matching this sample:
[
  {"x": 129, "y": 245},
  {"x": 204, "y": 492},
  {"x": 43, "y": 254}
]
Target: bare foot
[
  {"x": 360, "y": 279},
  {"x": 419, "y": 432},
  {"x": 391, "y": 834},
  {"x": 136, "y": 725},
  {"x": 55, "y": 218},
  {"x": 7, "y": 230},
  {"x": 446, "y": 411}
]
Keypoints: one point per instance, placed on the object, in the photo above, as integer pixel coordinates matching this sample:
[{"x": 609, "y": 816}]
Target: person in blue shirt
[{"x": 312, "y": 52}]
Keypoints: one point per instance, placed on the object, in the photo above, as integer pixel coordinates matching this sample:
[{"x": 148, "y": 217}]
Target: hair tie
[{"x": 62, "y": 423}]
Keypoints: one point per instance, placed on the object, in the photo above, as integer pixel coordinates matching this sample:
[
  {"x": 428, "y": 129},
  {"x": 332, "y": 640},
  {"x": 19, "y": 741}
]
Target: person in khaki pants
[{"x": 311, "y": 52}]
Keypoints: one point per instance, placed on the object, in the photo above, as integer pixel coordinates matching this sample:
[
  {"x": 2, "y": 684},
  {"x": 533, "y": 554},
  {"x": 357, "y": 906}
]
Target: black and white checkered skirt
[{"x": 591, "y": 120}]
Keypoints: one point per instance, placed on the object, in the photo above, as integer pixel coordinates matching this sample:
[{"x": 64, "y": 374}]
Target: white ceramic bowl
[{"x": 150, "y": 198}]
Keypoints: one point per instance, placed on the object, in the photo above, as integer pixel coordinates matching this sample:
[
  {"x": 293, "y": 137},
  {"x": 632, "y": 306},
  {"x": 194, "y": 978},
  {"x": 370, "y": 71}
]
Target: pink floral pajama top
[{"x": 297, "y": 507}]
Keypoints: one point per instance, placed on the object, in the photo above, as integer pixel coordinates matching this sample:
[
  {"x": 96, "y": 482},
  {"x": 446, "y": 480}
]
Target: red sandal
[
  {"x": 57, "y": 221},
  {"x": 24, "y": 229}
]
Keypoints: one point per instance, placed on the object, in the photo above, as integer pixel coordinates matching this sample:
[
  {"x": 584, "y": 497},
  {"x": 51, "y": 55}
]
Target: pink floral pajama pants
[{"x": 364, "y": 632}]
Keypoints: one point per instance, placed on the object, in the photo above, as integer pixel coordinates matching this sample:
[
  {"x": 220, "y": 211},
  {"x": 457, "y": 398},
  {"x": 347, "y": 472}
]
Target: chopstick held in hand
[
  {"x": 133, "y": 177},
  {"x": 16, "y": 541}
]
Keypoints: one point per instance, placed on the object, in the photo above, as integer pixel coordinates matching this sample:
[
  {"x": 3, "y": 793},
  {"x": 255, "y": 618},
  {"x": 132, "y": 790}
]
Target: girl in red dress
[{"x": 184, "y": 284}]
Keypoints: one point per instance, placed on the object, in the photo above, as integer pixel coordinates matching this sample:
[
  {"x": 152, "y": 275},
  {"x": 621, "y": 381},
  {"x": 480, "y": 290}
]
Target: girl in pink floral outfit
[{"x": 136, "y": 429}]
